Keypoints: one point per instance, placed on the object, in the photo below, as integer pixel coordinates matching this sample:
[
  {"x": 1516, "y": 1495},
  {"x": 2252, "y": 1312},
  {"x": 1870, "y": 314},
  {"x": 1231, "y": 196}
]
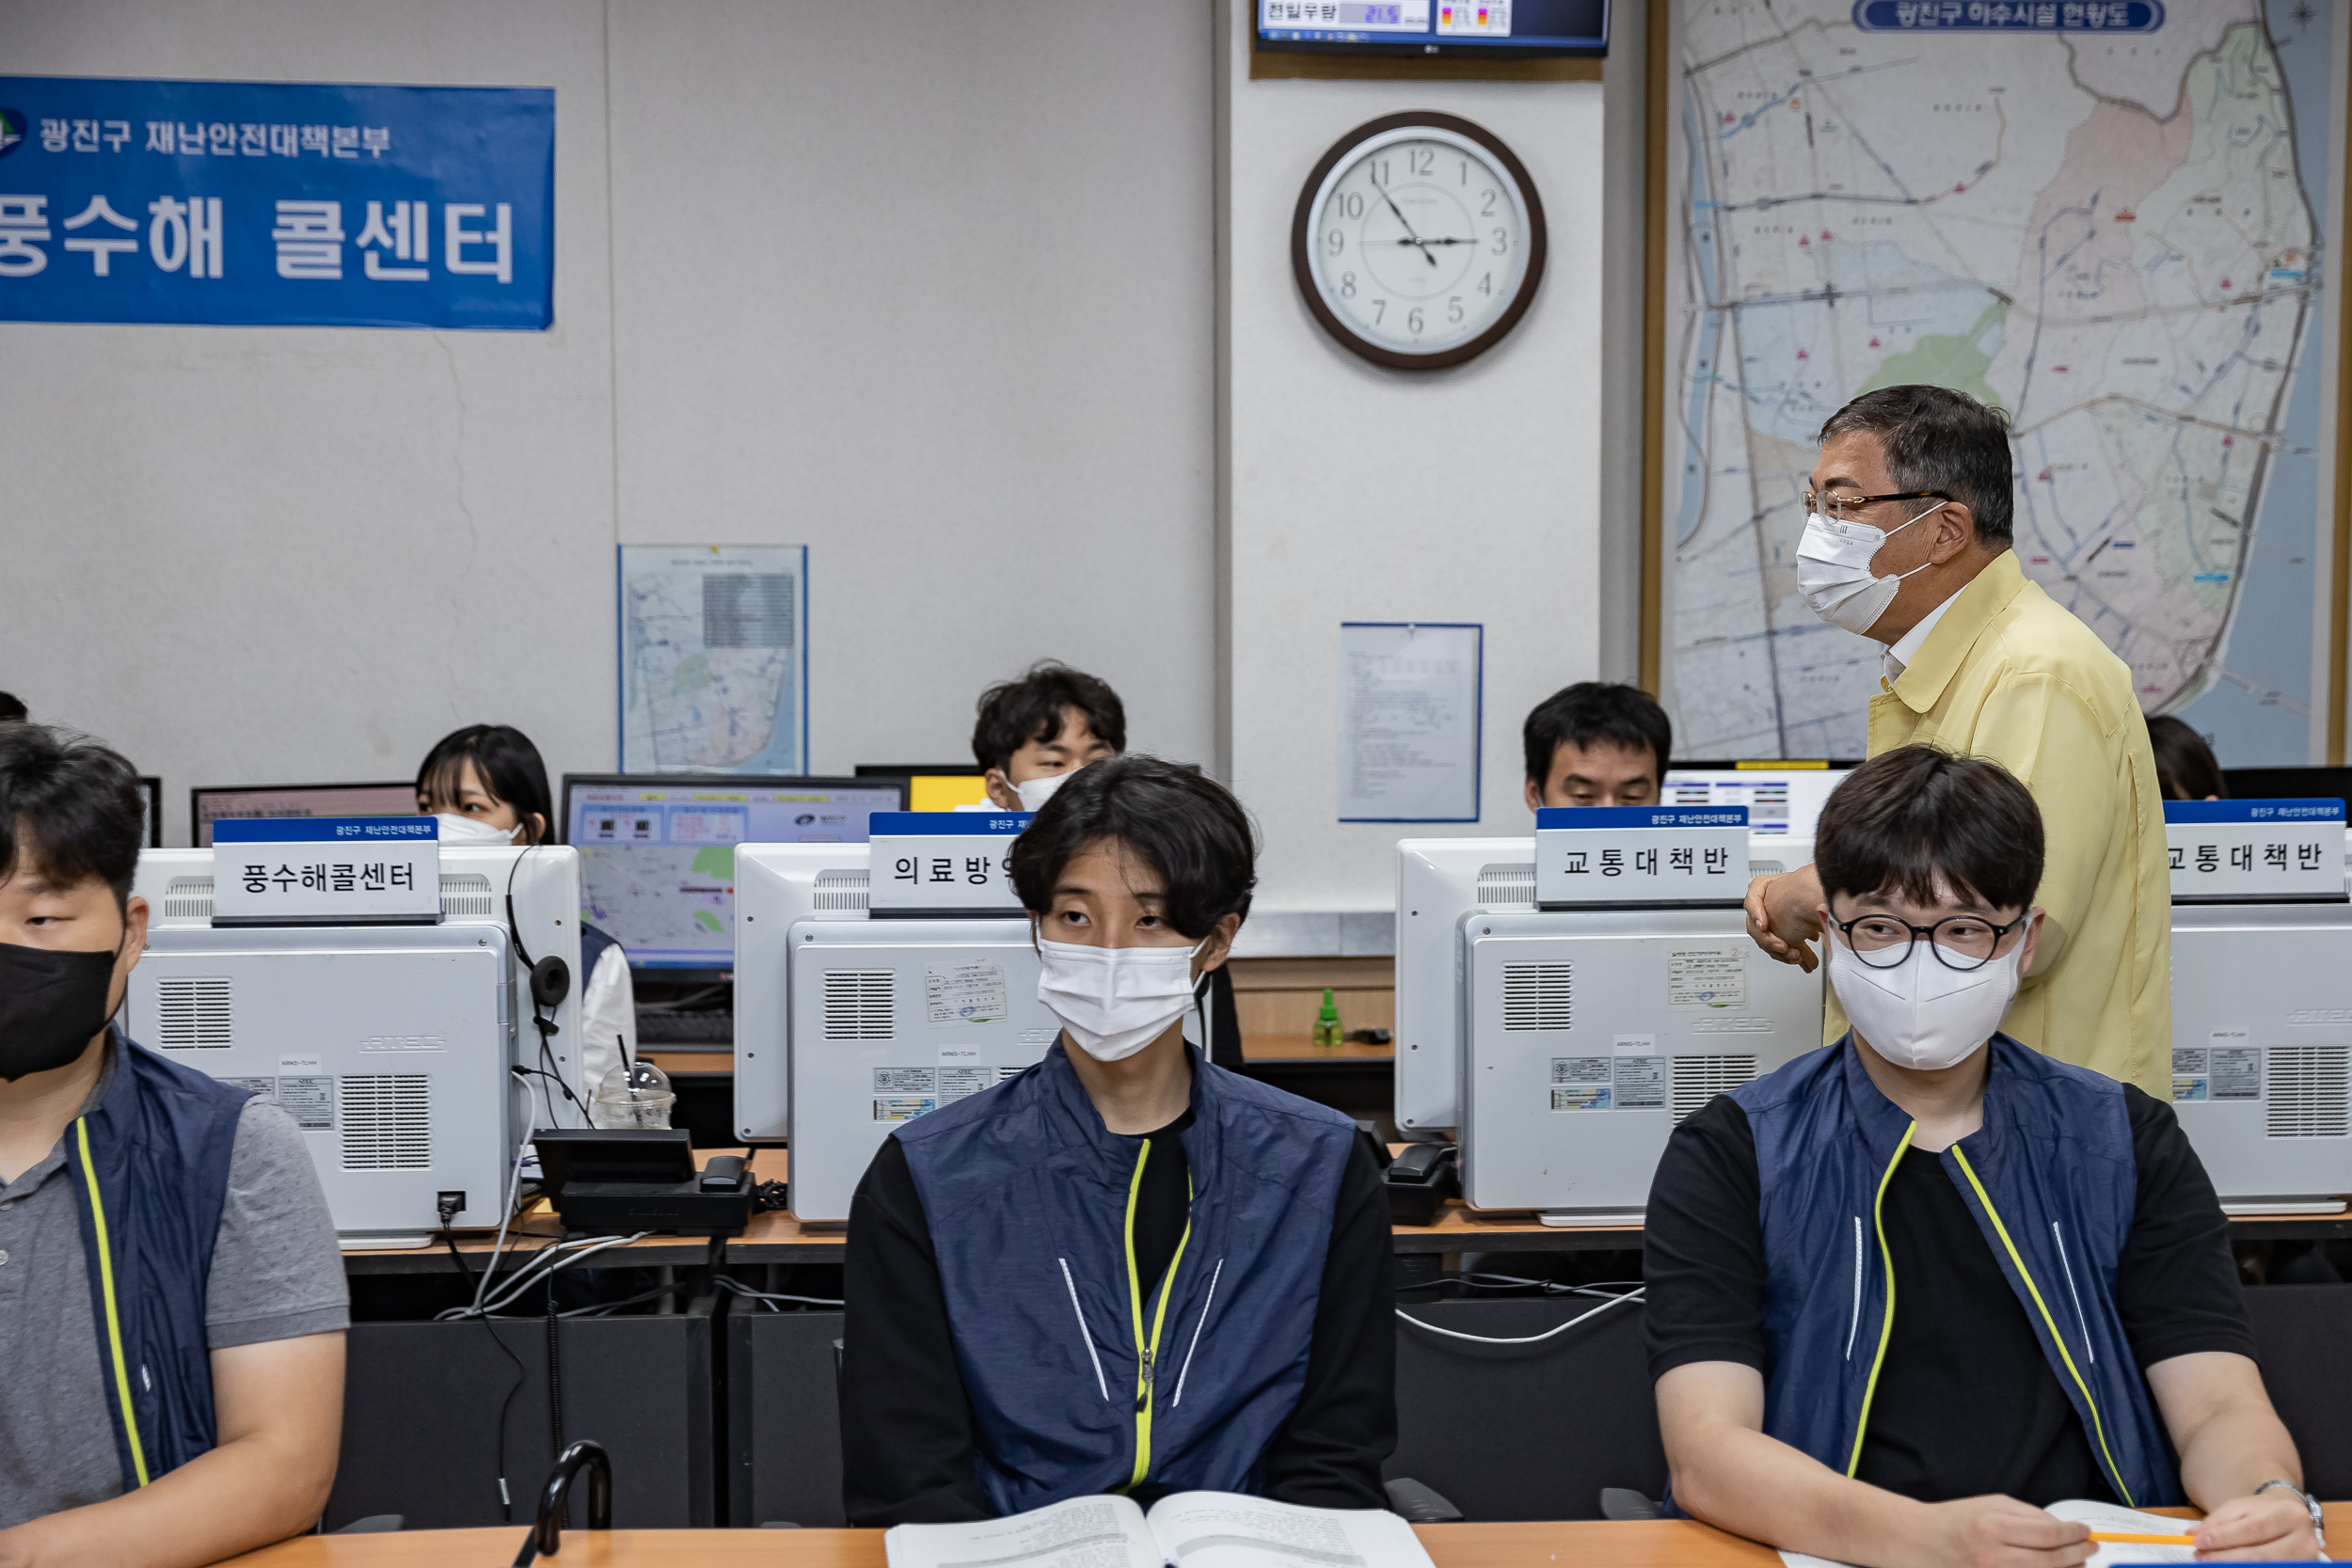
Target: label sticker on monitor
[
  {"x": 1707, "y": 977},
  {"x": 903, "y": 1107},
  {"x": 905, "y": 1080},
  {"x": 1581, "y": 1082},
  {"x": 311, "y": 1101},
  {"x": 964, "y": 993}
]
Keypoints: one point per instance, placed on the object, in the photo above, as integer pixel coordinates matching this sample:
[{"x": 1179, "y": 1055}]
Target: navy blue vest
[
  {"x": 2051, "y": 1180},
  {"x": 592, "y": 945},
  {"x": 1026, "y": 1195},
  {"x": 150, "y": 1167}
]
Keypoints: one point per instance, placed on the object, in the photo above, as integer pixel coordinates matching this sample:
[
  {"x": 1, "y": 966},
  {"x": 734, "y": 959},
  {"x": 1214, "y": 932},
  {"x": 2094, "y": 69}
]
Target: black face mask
[{"x": 50, "y": 1004}]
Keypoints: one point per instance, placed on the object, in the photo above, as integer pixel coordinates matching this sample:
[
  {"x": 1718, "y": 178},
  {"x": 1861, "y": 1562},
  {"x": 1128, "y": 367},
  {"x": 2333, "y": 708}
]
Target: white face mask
[
  {"x": 1034, "y": 792},
  {"x": 1923, "y": 1013},
  {"x": 1115, "y": 1001},
  {"x": 1834, "y": 570},
  {"x": 471, "y": 830}
]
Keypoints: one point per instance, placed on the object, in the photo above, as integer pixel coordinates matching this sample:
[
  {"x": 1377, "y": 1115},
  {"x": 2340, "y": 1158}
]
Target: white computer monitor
[
  {"x": 848, "y": 1025},
  {"x": 389, "y": 1045}
]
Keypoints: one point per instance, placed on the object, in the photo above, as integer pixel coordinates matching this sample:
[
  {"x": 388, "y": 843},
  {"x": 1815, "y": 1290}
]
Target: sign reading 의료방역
[
  {"x": 942, "y": 862},
  {"x": 275, "y": 203},
  {"x": 326, "y": 871}
]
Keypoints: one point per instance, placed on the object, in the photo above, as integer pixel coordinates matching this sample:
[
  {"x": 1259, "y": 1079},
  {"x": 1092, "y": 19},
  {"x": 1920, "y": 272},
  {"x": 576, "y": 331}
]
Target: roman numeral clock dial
[{"x": 1419, "y": 241}]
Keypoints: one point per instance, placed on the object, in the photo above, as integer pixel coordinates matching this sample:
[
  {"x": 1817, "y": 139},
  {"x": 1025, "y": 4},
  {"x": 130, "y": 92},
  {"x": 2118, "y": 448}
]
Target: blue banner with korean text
[{"x": 276, "y": 203}]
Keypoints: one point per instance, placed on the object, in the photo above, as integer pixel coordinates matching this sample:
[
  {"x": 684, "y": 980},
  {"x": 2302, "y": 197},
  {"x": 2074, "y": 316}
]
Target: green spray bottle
[{"x": 1328, "y": 1022}]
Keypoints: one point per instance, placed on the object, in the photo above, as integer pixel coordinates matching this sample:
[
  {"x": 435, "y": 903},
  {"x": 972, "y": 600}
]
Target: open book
[
  {"x": 1190, "y": 1530},
  {"x": 2119, "y": 1535}
]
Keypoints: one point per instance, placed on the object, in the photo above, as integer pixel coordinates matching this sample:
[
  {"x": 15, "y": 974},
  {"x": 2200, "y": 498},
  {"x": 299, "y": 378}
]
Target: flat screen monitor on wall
[
  {"x": 1504, "y": 28},
  {"x": 207, "y": 806},
  {"x": 657, "y": 852}
]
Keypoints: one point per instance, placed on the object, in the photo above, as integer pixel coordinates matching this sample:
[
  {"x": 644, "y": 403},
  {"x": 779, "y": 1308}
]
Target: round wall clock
[{"x": 1419, "y": 241}]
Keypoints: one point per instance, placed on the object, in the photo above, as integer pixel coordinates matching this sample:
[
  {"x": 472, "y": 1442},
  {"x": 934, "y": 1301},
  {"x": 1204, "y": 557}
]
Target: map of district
[
  {"x": 2112, "y": 235},
  {"x": 711, "y": 668}
]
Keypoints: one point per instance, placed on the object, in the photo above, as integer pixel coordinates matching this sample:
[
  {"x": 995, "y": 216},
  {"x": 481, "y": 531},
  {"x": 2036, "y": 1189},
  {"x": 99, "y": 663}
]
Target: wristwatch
[{"x": 2318, "y": 1533}]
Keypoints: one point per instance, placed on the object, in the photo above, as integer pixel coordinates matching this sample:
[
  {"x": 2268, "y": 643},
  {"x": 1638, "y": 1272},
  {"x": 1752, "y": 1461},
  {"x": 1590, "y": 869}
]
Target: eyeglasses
[
  {"x": 1960, "y": 942},
  {"x": 1840, "y": 507}
]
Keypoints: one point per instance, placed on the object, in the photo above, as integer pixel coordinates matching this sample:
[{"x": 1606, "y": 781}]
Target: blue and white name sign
[
  {"x": 2250, "y": 851},
  {"x": 942, "y": 862},
  {"x": 275, "y": 203},
  {"x": 1588, "y": 855},
  {"x": 326, "y": 871}
]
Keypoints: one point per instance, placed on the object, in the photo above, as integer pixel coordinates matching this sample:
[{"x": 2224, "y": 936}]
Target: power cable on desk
[
  {"x": 447, "y": 1207},
  {"x": 730, "y": 1283},
  {"x": 1528, "y": 1339}
]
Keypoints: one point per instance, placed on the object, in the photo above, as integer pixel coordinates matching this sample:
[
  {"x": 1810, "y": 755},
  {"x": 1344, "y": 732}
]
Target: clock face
[{"x": 1418, "y": 242}]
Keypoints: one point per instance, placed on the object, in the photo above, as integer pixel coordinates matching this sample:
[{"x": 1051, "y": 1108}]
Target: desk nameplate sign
[
  {"x": 942, "y": 862},
  {"x": 1609, "y": 857},
  {"x": 326, "y": 871},
  {"x": 2255, "y": 852}
]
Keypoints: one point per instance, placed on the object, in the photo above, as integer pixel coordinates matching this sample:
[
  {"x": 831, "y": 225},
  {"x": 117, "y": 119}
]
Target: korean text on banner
[{"x": 275, "y": 203}]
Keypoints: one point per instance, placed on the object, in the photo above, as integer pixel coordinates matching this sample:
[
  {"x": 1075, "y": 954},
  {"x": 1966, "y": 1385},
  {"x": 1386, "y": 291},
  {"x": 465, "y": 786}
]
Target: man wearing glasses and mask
[{"x": 1907, "y": 541}]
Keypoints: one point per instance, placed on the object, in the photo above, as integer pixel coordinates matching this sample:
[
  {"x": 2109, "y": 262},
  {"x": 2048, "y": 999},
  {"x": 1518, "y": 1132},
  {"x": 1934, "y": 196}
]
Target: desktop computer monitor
[
  {"x": 939, "y": 788},
  {"x": 207, "y": 806},
  {"x": 1784, "y": 799},
  {"x": 656, "y": 852}
]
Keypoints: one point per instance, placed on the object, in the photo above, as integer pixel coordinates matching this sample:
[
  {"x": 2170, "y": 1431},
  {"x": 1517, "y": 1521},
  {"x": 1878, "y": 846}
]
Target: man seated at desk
[
  {"x": 1912, "y": 1286},
  {"x": 1127, "y": 1269},
  {"x": 171, "y": 1298}
]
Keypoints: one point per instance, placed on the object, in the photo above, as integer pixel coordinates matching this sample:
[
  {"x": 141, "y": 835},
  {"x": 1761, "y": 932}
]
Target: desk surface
[
  {"x": 1658, "y": 1544},
  {"x": 1675, "y": 1544}
]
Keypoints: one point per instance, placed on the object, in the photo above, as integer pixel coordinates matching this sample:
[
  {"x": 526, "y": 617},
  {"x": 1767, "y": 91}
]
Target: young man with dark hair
[
  {"x": 174, "y": 1298},
  {"x": 1907, "y": 541},
  {"x": 1033, "y": 732},
  {"x": 1127, "y": 1269},
  {"x": 1915, "y": 1285},
  {"x": 1597, "y": 744}
]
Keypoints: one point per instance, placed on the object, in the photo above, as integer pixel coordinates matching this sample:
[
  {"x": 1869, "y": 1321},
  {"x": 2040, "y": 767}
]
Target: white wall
[
  {"x": 925, "y": 287},
  {"x": 1361, "y": 493}
]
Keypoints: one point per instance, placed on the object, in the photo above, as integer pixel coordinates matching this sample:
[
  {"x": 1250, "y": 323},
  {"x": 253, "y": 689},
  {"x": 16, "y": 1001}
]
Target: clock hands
[
  {"x": 1407, "y": 223},
  {"x": 1425, "y": 244}
]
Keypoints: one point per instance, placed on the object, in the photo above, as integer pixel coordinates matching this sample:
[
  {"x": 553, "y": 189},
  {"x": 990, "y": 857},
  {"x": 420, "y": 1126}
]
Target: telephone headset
[{"x": 550, "y": 983}]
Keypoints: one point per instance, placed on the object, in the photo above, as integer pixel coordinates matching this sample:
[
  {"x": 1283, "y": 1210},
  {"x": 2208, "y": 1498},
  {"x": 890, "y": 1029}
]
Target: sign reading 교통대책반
[{"x": 275, "y": 203}]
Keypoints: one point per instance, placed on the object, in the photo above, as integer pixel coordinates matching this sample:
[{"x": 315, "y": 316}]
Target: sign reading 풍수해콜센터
[
  {"x": 275, "y": 203},
  {"x": 326, "y": 871}
]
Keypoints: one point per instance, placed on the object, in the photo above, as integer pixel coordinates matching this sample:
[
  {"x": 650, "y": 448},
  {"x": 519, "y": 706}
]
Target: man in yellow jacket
[{"x": 1907, "y": 541}]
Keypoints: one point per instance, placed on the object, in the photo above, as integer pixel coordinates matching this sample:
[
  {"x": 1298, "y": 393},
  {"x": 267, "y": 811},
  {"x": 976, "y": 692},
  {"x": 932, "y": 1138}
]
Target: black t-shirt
[
  {"x": 907, "y": 1428},
  {"x": 1966, "y": 1403}
]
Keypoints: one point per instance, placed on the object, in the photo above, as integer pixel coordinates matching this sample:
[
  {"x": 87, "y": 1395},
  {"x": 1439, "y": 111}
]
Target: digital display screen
[
  {"x": 1781, "y": 803},
  {"x": 1437, "y": 27},
  {"x": 656, "y": 856},
  {"x": 208, "y": 806}
]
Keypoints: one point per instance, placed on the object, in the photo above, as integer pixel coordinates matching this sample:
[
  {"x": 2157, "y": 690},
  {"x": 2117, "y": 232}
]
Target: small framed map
[
  {"x": 714, "y": 659},
  {"x": 2113, "y": 218}
]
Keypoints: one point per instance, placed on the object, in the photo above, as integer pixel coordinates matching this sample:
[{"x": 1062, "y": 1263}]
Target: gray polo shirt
[{"x": 277, "y": 1274}]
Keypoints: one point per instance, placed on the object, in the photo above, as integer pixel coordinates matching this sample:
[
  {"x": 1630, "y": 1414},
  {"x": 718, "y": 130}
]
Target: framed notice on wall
[
  {"x": 2111, "y": 218},
  {"x": 1410, "y": 721},
  {"x": 714, "y": 659}
]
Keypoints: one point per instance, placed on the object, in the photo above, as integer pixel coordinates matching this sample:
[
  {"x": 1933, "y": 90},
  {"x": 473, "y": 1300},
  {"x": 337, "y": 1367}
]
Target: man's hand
[
  {"x": 2275, "y": 1527},
  {"x": 1781, "y": 917},
  {"x": 2001, "y": 1532}
]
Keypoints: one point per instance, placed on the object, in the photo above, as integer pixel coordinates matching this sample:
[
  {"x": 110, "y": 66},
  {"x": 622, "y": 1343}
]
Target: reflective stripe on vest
[
  {"x": 1147, "y": 1351},
  {"x": 107, "y": 1285}
]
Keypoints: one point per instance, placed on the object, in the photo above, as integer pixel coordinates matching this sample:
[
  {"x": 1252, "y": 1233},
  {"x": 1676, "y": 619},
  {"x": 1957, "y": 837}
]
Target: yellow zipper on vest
[
  {"x": 1147, "y": 1351},
  {"x": 2098, "y": 1429},
  {"x": 1887, "y": 1326},
  {"x": 106, "y": 1289}
]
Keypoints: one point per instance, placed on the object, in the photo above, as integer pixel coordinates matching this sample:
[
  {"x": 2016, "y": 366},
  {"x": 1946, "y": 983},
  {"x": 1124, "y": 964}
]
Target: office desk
[
  {"x": 1675, "y": 1544},
  {"x": 1654, "y": 1543}
]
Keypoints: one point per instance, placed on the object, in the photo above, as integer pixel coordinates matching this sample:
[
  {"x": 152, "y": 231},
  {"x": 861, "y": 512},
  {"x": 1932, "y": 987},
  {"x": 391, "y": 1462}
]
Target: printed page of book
[
  {"x": 1226, "y": 1529},
  {"x": 1084, "y": 1533}
]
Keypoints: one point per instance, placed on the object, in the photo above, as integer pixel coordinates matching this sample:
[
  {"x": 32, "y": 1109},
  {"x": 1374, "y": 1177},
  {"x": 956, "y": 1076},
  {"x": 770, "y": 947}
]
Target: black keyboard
[{"x": 658, "y": 1029}]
